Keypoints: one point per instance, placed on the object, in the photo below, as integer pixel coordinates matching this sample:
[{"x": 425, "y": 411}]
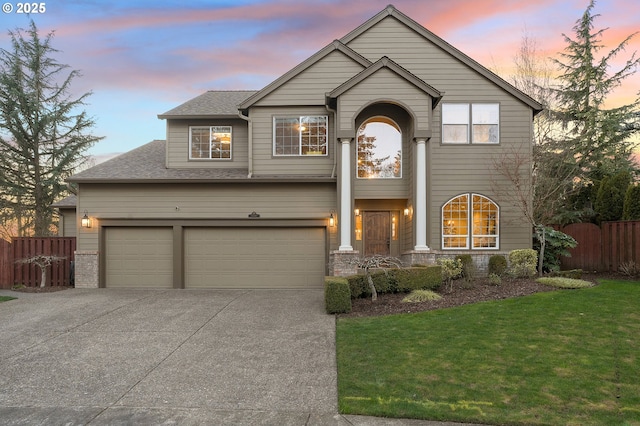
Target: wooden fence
[
  {"x": 603, "y": 248},
  {"x": 59, "y": 274}
]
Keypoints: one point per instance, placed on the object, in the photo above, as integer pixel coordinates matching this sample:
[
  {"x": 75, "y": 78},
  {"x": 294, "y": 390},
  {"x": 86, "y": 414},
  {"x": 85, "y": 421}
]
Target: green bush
[
  {"x": 497, "y": 264},
  {"x": 522, "y": 263},
  {"x": 468, "y": 267},
  {"x": 337, "y": 297},
  {"x": 560, "y": 282},
  {"x": 401, "y": 280},
  {"x": 557, "y": 244},
  {"x": 451, "y": 269},
  {"x": 422, "y": 278},
  {"x": 494, "y": 279}
]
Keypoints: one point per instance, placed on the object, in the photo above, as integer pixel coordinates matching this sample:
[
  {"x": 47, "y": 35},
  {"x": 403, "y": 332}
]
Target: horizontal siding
[
  {"x": 309, "y": 87},
  {"x": 264, "y": 163},
  {"x": 383, "y": 85},
  {"x": 178, "y": 144},
  {"x": 201, "y": 201}
]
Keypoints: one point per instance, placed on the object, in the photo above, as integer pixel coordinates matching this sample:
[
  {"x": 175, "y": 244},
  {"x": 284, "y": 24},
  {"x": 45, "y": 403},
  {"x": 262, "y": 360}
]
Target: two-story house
[{"x": 383, "y": 142}]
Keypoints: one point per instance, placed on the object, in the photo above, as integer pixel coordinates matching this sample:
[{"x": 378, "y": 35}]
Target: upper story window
[
  {"x": 478, "y": 123},
  {"x": 304, "y": 135},
  {"x": 210, "y": 143},
  {"x": 379, "y": 147},
  {"x": 470, "y": 218}
]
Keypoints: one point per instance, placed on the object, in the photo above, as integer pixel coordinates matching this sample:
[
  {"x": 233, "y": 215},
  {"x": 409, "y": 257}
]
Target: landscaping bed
[{"x": 461, "y": 293}]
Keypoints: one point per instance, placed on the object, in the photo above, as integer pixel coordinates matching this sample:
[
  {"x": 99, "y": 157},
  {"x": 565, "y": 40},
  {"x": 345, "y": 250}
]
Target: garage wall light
[
  {"x": 85, "y": 221},
  {"x": 332, "y": 219}
]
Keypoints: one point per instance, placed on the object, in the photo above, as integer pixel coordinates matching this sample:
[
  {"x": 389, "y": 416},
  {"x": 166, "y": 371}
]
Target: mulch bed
[
  {"x": 461, "y": 294},
  {"x": 47, "y": 289}
]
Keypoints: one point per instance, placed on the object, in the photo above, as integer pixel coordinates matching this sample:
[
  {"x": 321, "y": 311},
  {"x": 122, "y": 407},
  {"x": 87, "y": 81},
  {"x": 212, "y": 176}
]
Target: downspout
[
  {"x": 250, "y": 143},
  {"x": 335, "y": 147}
]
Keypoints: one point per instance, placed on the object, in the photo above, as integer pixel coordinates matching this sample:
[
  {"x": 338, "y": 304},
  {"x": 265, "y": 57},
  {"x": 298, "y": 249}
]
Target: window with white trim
[
  {"x": 470, "y": 221},
  {"x": 476, "y": 123},
  {"x": 210, "y": 143},
  {"x": 300, "y": 136}
]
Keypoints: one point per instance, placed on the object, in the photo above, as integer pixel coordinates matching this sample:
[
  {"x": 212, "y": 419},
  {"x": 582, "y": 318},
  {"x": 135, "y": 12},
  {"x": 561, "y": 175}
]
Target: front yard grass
[
  {"x": 565, "y": 357},
  {"x": 6, "y": 298}
]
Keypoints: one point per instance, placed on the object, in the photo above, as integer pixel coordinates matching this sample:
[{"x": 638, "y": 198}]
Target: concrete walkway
[{"x": 223, "y": 357}]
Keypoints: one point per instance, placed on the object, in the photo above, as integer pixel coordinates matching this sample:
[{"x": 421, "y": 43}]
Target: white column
[
  {"x": 345, "y": 197},
  {"x": 420, "y": 209}
]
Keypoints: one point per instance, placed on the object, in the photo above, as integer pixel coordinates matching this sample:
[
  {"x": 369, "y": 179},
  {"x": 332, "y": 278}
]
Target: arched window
[
  {"x": 470, "y": 221},
  {"x": 379, "y": 147}
]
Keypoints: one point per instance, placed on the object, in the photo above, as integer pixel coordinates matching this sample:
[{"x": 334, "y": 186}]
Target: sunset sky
[{"x": 142, "y": 58}]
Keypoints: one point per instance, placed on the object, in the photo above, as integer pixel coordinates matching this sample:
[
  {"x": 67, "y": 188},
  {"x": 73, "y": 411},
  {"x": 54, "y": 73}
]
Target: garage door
[
  {"x": 139, "y": 257},
  {"x": 254, "y": 257}
]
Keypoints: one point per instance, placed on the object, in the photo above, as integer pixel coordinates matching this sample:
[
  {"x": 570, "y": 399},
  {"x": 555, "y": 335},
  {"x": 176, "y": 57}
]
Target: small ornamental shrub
[
  {"x": 497, "y": 264},
  {"x": 468, "y": 267},
  {"x": 451, "y": 269},
  {"x": 358, "y": 286},
  {"x": 631, "y": 269},
  {"x": 560, "y": 282},
  {"x": 417, "y": 296},
  {"x": 522, "y": 263},
  {"x": 337, "y": 297},
  {"x": 494, "y": 279}
]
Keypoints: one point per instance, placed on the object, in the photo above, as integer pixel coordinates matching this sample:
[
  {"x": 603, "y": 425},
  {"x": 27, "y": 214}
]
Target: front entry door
[{"x": 377, "y": 233}]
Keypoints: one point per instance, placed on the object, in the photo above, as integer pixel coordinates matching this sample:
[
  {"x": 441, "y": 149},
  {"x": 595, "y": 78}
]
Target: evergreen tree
[
  {"x": 43, "y": 130},
  {"x": 631, "y": 209},
  {"x": 610, "y": 198},
  {"x": 596, "y": 139}
]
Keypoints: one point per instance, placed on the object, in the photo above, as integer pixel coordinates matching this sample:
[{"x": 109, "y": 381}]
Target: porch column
[
  {"x": 420, "y": 208},
  {"x": 345, "y": 196}
]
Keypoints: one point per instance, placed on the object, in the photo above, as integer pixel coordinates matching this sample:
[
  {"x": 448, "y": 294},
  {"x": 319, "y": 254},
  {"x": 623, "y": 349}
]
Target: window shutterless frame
[
  {"x": 470, "y": 123},
  {"x": 300, "y": 136},
  {"x": 470, "y": 221},
  {"x": 207, "y": 143}
]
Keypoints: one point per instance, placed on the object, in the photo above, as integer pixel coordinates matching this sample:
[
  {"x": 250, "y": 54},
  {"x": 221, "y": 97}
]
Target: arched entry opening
[{"x": 382, "y": 186}]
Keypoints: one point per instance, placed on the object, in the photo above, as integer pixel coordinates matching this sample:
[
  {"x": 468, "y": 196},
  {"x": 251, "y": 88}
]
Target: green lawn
[
  {"x": 6, "y": 298},
  {"x": 566, "y": 357}
]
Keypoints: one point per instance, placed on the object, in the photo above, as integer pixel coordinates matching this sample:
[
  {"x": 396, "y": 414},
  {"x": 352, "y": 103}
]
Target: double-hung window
[
  {"x": 300, "y": 136},
  {"x": 210, "y": 143},
  {"x": 470, "y": 123},
  {"x": 470, "y": 221}
]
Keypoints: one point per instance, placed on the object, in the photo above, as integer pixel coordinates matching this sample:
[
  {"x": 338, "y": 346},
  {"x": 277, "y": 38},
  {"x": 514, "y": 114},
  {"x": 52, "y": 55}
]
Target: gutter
[{"x": 250, "y": 142}]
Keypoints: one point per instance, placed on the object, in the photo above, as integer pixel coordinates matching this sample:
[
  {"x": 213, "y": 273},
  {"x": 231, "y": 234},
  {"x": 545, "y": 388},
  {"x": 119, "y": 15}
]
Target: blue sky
[{"x": 142, "y": 58}]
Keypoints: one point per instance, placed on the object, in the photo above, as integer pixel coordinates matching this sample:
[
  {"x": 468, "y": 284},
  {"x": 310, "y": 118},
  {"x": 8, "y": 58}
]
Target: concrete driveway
[{"x": 104, "y": 356}]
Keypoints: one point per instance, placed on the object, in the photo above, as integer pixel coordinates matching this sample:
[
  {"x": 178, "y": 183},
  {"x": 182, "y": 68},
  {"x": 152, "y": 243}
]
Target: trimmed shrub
[
  {"x": 423, "y": 278},
  {"x": 337, "y": 297},
  {"x": 523, "y": 263},
  {"x": 468, "y": 267},
  {"x": 358, "y": 286},
  {"x": 497, "y": 264},
  {"x": 417, "y": 296},
  {"x": 451, "y": 269},
  {"x": 494, "y": 279},
  {"x": 568, "y": 283}
]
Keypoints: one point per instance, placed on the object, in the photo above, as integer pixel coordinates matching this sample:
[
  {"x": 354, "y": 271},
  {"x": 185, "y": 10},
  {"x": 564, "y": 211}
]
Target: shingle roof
[
  {"x": 66, "y": 203},
  {"x": 146, "y": 164},
  {"x": 211, "y": 103}
]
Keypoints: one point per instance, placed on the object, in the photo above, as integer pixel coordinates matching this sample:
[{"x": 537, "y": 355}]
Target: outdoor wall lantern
[
  {"x": 357, "y": 212},
  {"x": 332, "y": 219},
  {"x": 86, "y": 222},
  {"x": 406, "y": 211}
]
